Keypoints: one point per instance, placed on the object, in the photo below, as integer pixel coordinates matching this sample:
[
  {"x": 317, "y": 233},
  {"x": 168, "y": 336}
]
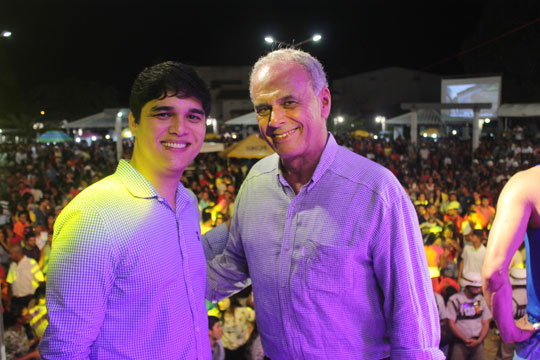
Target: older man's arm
[{"x": 401, "y": 268}]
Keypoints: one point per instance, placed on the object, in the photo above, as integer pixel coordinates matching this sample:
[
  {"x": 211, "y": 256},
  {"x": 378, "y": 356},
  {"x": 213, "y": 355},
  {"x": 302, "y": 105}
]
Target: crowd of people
[{"x": 454, "y": 192}]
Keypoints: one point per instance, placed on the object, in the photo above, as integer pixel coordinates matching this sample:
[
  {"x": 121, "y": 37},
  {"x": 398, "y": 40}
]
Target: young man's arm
[
  {"x": 507, "y": 234},
  {"x": 79, "y": 281}
]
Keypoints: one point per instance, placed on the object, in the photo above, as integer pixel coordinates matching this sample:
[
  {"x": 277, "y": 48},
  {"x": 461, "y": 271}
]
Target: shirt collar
[
  {"x": 134, "y": 181},
  {"x": 327, "y": 158},
  {"x": 140, "y": 187}
]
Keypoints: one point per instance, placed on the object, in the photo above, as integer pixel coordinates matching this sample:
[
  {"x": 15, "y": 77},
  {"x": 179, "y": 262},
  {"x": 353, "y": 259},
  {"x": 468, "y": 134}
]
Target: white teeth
[
  {"x": 175, "y": 145},
  {"x": 281, "y": 136}
]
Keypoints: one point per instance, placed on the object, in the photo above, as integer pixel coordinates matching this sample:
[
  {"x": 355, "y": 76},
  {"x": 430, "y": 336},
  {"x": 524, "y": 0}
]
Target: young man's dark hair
[
  {"x": 212, "y": 320},
  {"x": 167, "y": 79}
]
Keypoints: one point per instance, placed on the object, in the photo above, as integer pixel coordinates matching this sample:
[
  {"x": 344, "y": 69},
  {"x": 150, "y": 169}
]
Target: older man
[
  {"x": 518, "y": 218},
  {"x": 329, "y": 239}
]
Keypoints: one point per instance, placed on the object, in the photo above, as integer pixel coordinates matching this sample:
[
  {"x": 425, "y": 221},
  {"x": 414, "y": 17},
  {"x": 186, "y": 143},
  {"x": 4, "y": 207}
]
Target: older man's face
[{"x": 291, "y": 117}]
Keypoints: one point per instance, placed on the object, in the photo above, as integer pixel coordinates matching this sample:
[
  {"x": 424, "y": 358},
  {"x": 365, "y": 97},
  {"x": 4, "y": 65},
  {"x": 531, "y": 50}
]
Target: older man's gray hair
[{"x": 302, "y": 58}]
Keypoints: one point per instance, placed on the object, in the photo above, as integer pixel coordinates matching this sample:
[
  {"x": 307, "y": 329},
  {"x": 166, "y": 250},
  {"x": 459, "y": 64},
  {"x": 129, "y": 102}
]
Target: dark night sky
[{"x": 110, "y": 42}]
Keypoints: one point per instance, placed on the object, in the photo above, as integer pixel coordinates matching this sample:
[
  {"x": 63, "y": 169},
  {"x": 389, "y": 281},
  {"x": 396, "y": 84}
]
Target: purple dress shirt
[
  {"x": 127, "y": 275},
  {"x": 338, "y": 270}
]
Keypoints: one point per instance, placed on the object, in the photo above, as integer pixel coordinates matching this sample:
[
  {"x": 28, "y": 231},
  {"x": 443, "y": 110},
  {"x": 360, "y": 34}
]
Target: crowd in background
[{"x": 453, "y": 190}]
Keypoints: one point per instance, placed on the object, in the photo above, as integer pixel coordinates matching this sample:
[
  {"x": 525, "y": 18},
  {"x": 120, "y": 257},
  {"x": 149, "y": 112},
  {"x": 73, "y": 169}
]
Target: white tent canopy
[
  {"x": 212, "y": 147},
  {"x": 427, "y": 117},
  {"x": 519, "y": 110},
  {"x": 246, "y": 119},
  {"x": 103, "y": 120}
]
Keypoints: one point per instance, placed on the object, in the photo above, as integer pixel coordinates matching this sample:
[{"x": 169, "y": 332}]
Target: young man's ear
[{"x": 132, "y": 124}]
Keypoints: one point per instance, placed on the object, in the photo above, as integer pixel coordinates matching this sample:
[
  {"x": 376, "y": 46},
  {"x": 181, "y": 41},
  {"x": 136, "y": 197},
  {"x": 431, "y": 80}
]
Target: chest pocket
[{"x": 329, "y": 268}]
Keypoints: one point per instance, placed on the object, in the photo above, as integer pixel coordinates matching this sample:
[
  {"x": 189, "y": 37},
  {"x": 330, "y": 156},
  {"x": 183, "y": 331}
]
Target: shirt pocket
[{"x": 329, "y": 268}]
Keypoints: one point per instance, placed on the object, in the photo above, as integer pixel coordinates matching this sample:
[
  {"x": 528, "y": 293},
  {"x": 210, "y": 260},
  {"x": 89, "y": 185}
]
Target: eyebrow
[
  {"x": 171, "y": 108},
  {"x": 280, "y": 100}
]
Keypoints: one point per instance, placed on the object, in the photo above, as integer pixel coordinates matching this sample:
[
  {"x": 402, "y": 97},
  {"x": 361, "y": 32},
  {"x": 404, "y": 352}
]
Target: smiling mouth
[
  {"x": 174, "y": 145},
  {"x": 284, "y": 135}
]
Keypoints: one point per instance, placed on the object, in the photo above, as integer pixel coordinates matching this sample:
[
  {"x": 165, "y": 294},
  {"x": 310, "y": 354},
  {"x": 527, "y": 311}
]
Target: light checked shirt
[
  {"x": 127, "y": 275},
  {"x": 338, "y": 270},
  {"x": 24, "y": 277}
]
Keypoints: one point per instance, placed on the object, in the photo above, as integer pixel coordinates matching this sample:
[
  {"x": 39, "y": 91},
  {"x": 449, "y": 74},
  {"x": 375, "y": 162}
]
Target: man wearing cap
[
  {"x": 518, "y": 218},
  {"x": 452, "y": 214},
  {"x": 468, "y": 318}
]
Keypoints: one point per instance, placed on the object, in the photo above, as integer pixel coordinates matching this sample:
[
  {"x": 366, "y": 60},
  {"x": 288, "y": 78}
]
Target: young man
[
  {"x": 468, "y": 319},
  {"x": 473, "y": 255},
  {"x": 518, "y": 218},
  {"x": 329, "y": 239},
  {"x": 215, "y": 331},
  {"x": 127, "y": 270}
]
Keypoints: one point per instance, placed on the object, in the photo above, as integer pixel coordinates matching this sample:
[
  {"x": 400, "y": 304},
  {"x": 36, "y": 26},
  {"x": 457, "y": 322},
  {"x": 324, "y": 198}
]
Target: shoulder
[
  {"x": 266, "y": 166},
  {"x": 363, "y": 172},
  {"x": 100, "y": 195}
]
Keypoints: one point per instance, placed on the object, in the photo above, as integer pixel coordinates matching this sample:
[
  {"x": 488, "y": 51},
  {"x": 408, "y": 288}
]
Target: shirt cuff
[{"x": 417, "y": 354}]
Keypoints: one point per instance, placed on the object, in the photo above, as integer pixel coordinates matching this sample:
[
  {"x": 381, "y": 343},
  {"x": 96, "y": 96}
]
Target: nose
[
  {"x": 177, "y": 126},
  {"x": 276, "y": 117}
]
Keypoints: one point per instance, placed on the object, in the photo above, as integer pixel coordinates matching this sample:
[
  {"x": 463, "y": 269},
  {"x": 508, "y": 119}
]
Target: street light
[
  {"x": 6, "y": 33},
  {"x": 270, "y": 40},
  {"x": 382, "y": 121}
]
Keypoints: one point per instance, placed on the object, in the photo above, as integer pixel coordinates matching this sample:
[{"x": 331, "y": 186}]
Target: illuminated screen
[{"x": 472, "y": 90}]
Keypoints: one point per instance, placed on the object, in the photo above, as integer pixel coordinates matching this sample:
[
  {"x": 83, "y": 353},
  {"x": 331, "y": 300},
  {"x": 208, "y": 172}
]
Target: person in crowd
[
  {"x": 127, "y": 259},
  {"x": 21, "y": 224},
  {"x": 517, "y": 219},
  {"x": 17, "y": 344},
  {"x": 305, "y": 257},
  {"x": 238, "y": 325},
  {"x": 215, "y": 332},
  {"x": 473, "y": 255},
  {"x": 487, "y": 211},
  {"x": 4, "y": 251},
  {"x": 29, "y": 246},
  {"x": 23, "y": 278},
  {"x": 468, "y": 319},
  {"x": 41, "y": 212},
  {"x": 443, "y": 318}
]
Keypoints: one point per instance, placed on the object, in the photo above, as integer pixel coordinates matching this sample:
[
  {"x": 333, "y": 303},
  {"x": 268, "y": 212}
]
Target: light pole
[
  {"x": 270, "y": 40},
  {"x": 338, "y": 120},
  {"x": 382, "y": 121}
]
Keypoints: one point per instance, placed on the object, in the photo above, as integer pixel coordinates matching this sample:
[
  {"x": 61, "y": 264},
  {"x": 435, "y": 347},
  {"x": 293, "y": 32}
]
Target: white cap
[
  {"x": 518, "y": 276},
  {"x": 471, "y": 279}
]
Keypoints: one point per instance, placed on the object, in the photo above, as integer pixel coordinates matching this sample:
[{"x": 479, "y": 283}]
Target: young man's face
[
  {"x": 291, "y": 117},
  {"x": 30, "y": 242},
  {"x": 217, "y": 331},
  {"x": 169, "y": 134}
]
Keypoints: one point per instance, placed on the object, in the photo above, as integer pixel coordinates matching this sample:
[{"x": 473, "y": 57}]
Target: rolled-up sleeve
[
  {"x": 80, "y": 278},
  {"x": 402, "y": 273}
]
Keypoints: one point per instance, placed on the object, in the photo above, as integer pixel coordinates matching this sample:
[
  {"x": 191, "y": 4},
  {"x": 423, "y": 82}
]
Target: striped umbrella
[{"x": 53, "y": 136}]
